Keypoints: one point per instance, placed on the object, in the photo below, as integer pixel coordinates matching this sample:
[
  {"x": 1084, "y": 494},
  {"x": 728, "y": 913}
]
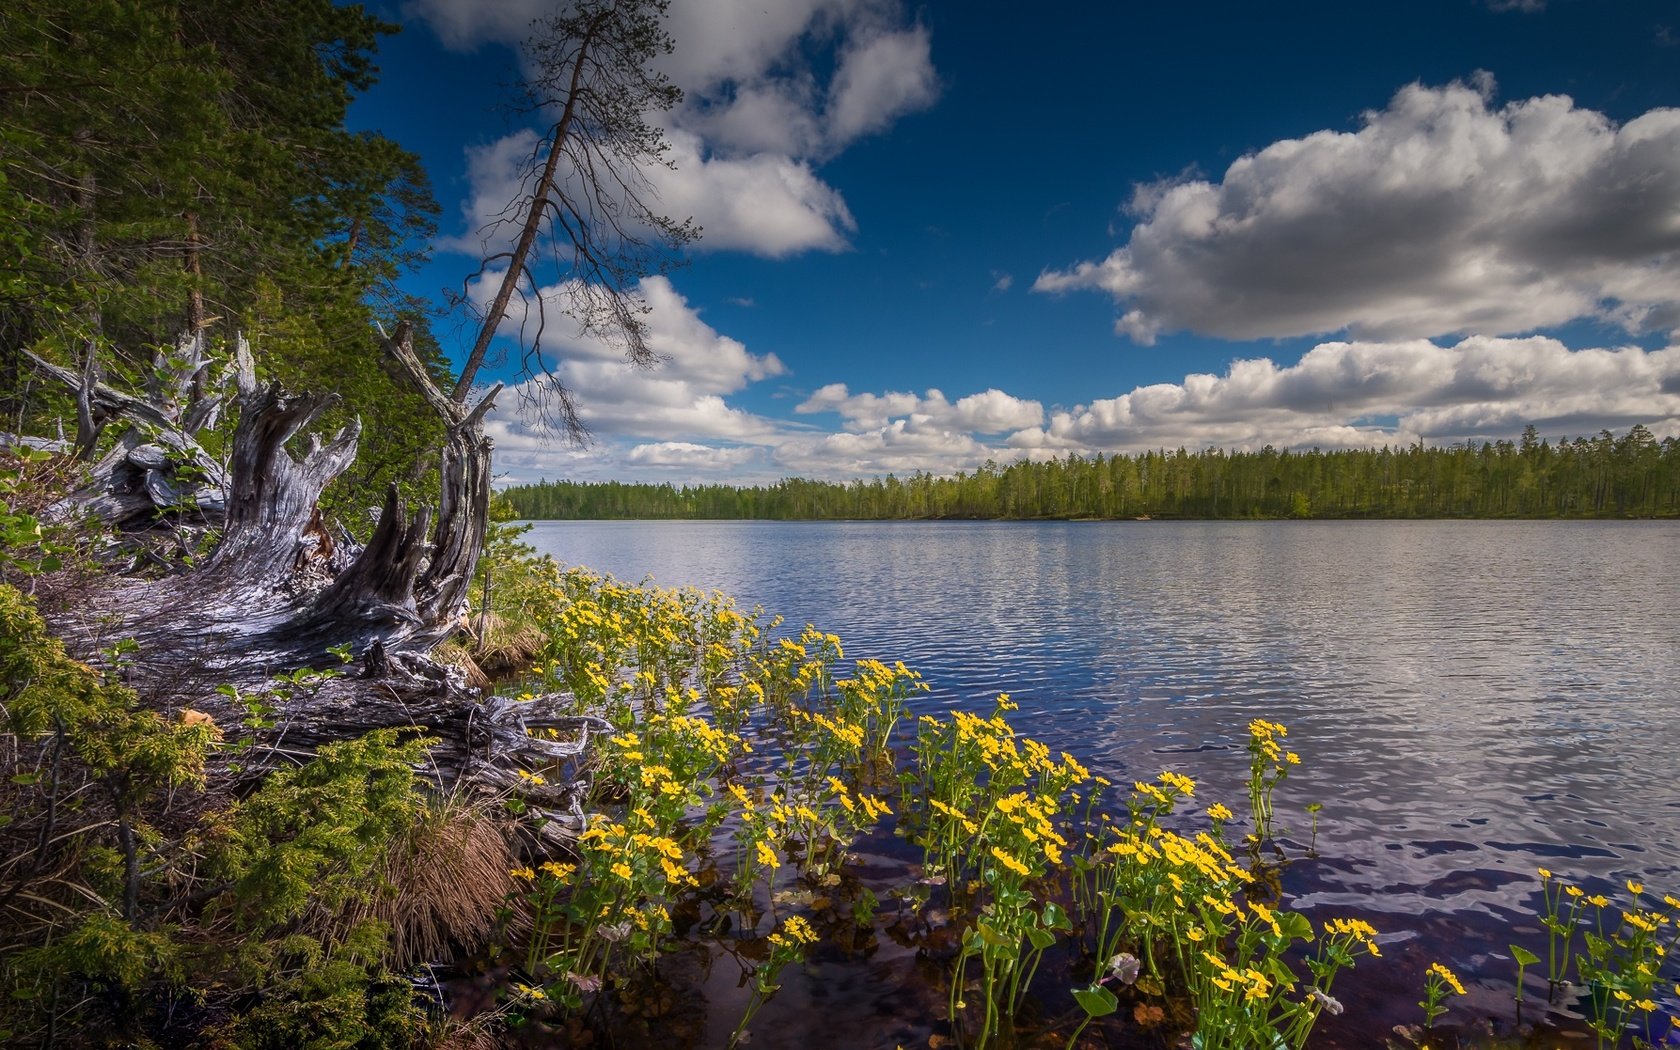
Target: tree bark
[
  {"x": 277, "y": 595},
  {"x": 277, "y": 592}
]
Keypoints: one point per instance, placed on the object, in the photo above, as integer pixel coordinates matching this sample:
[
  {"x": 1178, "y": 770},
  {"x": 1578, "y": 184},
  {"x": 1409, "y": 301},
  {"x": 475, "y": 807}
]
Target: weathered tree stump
[{"x": 278, "y": 594}]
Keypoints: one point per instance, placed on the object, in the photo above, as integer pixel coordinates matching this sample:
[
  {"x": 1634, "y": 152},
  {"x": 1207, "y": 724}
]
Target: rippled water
[{"x": 1470, "y": 699}]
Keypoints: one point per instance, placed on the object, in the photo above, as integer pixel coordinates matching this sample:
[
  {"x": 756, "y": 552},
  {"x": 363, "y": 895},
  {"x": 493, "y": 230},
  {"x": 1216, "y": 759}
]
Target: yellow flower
[
  {"x": 622, "y": 870},
  {"x": 523, "y": 873},
  {"x": 800, "y": 930},
  {"x": 1266, "y": 917},
  {"x": 1448, "y": 976},
  {"x": 1635, "y": 888},
  {"x": 1009, "y": 862},
  {"x": 1219, "y": 811},
  {"x": 767, "y": 856},
  {"x": 1544, "y": 874},
  {"x": 1574, "y": 891}
]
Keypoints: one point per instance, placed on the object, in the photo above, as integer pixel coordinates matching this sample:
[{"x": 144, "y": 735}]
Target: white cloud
[
  {"x": 900, "y": 447},
  {"x": 687, "y": 455},
  {"x": 682, "y": 399},
  {"x": 1002, "y": 282},
  {"x": 1441, "y": 215},
  {"x": 990, "y": 412},
  {"x": 760, "y": 110},
  {"x": 880, "y": 79},
  {"x": 495, "y": 176},
  {"x": 462, "y": 25},
  {"x": 680, "y": 422},
  {"x": 1344, "y": 394},
  {"x": 768, "y": 203}
]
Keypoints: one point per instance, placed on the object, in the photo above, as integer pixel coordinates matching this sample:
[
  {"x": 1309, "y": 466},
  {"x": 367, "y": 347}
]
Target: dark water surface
[{"x": 1470, "y": 699}]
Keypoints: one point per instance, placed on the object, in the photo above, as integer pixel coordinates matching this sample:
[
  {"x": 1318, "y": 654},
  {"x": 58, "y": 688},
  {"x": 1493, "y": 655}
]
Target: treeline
[{"x": 1634, "y": 475}]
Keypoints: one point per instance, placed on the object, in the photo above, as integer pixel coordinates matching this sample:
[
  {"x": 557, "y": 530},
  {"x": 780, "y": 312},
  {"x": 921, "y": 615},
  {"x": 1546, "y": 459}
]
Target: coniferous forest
[{"x": 1631, "y": 476}]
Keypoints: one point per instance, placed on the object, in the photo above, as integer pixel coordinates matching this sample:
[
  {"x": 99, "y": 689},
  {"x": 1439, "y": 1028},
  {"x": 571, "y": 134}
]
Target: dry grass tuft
[
  {"x": 503, "y": 649},
  {"x": 443, "y": 886},
  {"x": 480, "y": 1033},
  {"x": 454, "y": 654}
]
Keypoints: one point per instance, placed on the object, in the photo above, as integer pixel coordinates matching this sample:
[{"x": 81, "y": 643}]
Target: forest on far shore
[{"x": 1631, "y": 476}]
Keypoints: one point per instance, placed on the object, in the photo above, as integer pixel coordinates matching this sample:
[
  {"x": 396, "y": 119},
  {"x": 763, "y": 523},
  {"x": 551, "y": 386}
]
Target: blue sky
[{"x": 941, "y": 234}]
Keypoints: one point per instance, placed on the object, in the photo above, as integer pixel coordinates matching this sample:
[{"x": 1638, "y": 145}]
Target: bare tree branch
[{"x": 584, "y": 191}]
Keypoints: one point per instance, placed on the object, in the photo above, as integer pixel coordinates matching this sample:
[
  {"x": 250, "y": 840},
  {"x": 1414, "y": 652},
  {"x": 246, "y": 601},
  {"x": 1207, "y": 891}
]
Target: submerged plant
[
  {"x": 787, "y": 945},
  {"x": 1437, "y": 981},
  {"x": 1268, "y": 766}
]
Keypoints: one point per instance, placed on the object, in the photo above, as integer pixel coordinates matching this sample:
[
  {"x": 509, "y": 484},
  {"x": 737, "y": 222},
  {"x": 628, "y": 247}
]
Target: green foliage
[
  {"x": 330, "y": 996},
  {"x": 185, "y": 163},
  {"x": 1629, "y": 476},
  {"x": 24, "y": 545},
  {"x": 46, "y": 692},
  {"x": 115, "y": 896},
  {"x": 310, "y": 836}
]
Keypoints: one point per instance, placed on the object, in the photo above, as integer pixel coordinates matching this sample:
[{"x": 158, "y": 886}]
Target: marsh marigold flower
[{"x": 1448, "y": 976}]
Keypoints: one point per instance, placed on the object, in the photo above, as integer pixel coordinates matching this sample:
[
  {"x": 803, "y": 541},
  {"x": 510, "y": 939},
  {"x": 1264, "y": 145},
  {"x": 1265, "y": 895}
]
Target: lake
[{"x": 1471, "y": 700}]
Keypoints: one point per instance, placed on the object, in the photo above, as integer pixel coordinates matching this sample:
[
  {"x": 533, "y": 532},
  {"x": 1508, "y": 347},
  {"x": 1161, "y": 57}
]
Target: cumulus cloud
[
  {"x": 687, "y": 455},
  {"x": 680, "y": 402},
  {"x": 1352, "y": 394},
  {"x": 900, "y": 447},
  {"x": 990, "y": 412},
  {"x": 770, "y": 91},
  {"x": 680, "y": 422},
  {"x": 1442, "y": 214},
  {"x": 496, "y": 179},
  {"x": 462, "y": 25},
  {"x": 767, "y": 203},
  {"x": 880, "y": 79}
]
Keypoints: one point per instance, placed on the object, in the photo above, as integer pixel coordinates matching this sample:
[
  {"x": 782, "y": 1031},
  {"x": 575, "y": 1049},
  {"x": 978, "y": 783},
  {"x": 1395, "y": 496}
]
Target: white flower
[{"x": 1123, "y": 968}]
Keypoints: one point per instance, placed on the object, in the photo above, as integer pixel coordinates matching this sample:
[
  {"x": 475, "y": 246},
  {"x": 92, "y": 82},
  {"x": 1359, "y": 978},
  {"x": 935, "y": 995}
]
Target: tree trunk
[
  {"x": 278, "y": 594},
  {"x": 277, "y": 591}
]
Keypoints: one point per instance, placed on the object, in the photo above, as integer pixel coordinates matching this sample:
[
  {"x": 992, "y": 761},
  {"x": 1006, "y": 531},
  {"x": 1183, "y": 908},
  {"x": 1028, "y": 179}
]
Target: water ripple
[{"x": 1470, "y": 699}]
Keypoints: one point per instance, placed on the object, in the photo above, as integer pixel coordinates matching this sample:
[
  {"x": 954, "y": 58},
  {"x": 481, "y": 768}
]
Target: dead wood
[{"x": 277, "y": 593}]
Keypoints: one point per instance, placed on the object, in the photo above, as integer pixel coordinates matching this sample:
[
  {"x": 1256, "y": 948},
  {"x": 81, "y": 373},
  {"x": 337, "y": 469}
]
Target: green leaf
[
  {"x": 1096, "y": 1000},
  {"x": 1055, "y": 918},
  {"x": 1294, "y": 925},
  {"x": 1040, "y": 938},
  {"x": 1523, "y": 956}
]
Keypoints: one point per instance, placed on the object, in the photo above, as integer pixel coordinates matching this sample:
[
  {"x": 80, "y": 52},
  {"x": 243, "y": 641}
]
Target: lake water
[{"x": 1470, "y": 699}]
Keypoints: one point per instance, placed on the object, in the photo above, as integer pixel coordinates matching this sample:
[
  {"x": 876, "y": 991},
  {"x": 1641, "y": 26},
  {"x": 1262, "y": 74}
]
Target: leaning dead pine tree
[{"x": 586, "y": 217}]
